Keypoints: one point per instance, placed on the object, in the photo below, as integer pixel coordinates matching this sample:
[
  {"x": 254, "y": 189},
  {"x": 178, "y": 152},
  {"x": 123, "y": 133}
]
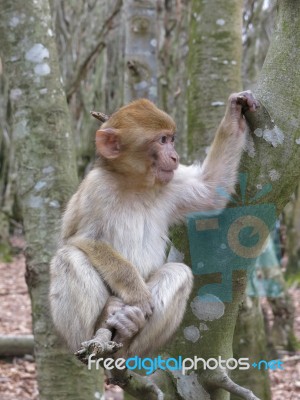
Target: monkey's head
[{"x": 137, "y": 142}]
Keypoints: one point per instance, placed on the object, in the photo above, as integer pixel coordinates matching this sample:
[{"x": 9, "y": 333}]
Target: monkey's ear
[{"x": 108, "y": 143}]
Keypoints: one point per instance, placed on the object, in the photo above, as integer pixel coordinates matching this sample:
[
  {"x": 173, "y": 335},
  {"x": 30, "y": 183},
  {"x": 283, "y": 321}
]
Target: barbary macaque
[{"x": 110, "y": 270}]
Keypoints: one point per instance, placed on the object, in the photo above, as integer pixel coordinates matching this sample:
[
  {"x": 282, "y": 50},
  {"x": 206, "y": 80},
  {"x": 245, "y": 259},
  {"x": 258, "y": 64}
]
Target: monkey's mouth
[{"x": 165, "y": 176}]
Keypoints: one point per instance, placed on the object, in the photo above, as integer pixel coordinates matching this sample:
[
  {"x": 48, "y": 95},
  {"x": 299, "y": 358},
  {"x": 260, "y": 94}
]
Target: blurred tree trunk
[
  {"x": 140, "y": 22},
  {"x": 83, "y": 30},
  {"x": 259, "y": 20},
  {"x": 113, "y": 80},
  {"x": 46, "y": 179},
  {"x": 174, "y": 17}
]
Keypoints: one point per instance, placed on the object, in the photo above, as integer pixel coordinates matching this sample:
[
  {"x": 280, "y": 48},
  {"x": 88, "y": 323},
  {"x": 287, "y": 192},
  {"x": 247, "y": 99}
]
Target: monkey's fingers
[{"x": 247, "y": 101}]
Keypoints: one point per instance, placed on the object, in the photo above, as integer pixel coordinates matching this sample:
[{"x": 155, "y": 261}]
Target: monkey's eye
[
  {"x": 163, "y": 140},
  {"x": 173, "y": 138}
]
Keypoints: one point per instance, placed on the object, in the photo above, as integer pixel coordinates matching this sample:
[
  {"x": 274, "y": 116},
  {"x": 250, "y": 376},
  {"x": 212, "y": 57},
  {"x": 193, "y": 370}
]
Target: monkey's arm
[
  {"x": 202, "y": 188},
  {"x": 120, "y": 275}
]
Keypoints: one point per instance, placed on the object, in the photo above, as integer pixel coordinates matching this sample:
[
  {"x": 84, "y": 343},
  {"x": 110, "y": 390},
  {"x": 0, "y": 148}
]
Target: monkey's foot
[{"x": 99, "y": 347}]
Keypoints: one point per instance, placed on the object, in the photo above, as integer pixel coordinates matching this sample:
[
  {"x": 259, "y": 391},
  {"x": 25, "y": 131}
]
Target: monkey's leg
[
  {"x": 170, "y": 287},
  {"x": 77, "y": 296}
]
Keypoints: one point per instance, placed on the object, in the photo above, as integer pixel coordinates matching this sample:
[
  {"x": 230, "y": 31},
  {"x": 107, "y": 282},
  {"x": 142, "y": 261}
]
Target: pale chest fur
[{"x": 139, "y": 232}]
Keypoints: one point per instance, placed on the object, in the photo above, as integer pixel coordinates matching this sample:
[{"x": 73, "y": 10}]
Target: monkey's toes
[{"x": 97, "y": 349}]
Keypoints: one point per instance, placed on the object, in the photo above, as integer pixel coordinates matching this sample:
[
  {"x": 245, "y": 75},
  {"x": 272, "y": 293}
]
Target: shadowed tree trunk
[{"x": 46, "y": 179}]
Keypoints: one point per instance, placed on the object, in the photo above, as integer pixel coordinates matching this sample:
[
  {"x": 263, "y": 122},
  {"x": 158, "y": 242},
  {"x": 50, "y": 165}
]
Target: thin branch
[
  {"x": 101, "y": 346},
  {"x": 136, "y": 385}
]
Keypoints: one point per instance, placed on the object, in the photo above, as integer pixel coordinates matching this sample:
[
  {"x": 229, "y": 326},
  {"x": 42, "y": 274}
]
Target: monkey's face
[{"x": 164, "y": 157}]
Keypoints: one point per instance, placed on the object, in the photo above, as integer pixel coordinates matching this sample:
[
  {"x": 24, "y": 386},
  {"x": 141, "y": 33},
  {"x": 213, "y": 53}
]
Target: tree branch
[
  {"x": 101, "y": 346},
  {"x": 219, "y": 379}
]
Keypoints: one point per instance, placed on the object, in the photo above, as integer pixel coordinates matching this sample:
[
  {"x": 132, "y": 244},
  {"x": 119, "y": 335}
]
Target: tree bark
[
  {"x": 268, "y": 160},
  {"x": 46, "y": 179},
  {"x": 140, "y": 21},
  {"x": 214, "y": 63}
]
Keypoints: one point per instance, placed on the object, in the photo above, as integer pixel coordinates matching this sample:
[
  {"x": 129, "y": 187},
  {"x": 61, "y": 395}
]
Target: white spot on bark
[
  {"x": 207, "y": 307},
  {"x": 191, "y": 333},
  {"x": 40, "y": 185},
  {"x": 54, "y": 204},
  {"x": 50, "y": 32},
  {"x": 233, "y": 62},
  {"x": 21, "y": 128},
  {"x": 250, "y": 149},
  {"x": 37, "y": 53},
  {"x": 258, "y": 132},
  {"x": 48, "y": 170},
  {"x": 297, "y": 141},
  {"x": 67, "y": 134},
  {"x": 35, "y": 201},
  {"x": 153, "y": 42},
  {"x": 217, "y": 103},
  {"x": 274, "y": 136},
  {"x": 197, "y": 17},
  {"x": 259, "y": 186},
  {"x": 274, "y": 175},
  {"x": 15, "y": 94},
  {"x": 141, "y": 85},
  {"x": 42, "y": 69},
  {"x": 225, "y": 62},
  {"x": 220, "y": 22},
  {"x": 43, "y": 91},
  {"x": 153, "y": 92},
  {"x": 203, "y": 327},
  {"x": 214, "y": 58},
  {"x": 14, "y": 22},
  {"x": 266, "y": 5}
]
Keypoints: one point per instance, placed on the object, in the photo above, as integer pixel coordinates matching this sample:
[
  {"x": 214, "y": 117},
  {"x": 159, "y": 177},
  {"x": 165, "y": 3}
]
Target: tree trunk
[
  {"x": 268, "y": 160},
  {"x": 214, "y": 63},
  {"x": 173, "y": 48},
  {"x": 46, "y": 179},
  {"x": 140, "y": 21}
]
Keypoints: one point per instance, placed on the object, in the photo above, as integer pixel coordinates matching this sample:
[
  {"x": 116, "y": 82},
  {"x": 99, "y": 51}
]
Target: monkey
[{"x": 110, "y": 268}]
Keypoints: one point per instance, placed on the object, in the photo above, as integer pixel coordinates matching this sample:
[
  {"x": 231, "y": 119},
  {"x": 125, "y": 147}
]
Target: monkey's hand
[
  {"x": 127, "y": 322},
  {"x": 145, "y": 304},
  {"x": 238, "y": 104},
  {"x": 121, "y": 276}
]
